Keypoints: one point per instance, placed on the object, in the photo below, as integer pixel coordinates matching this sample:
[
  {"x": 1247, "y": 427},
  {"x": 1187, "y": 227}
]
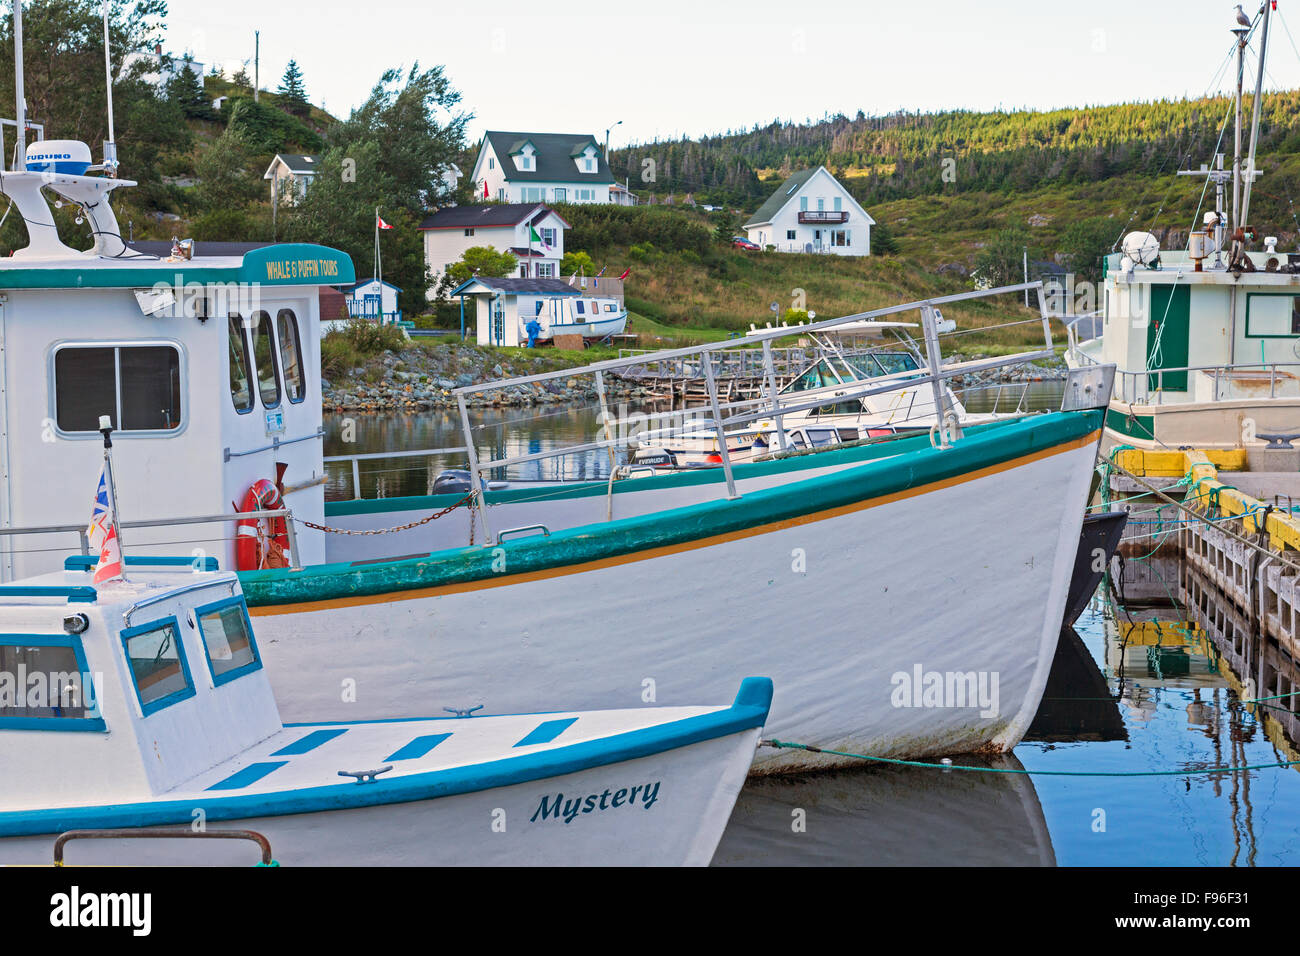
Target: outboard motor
[{"x": 454, "y": 481}]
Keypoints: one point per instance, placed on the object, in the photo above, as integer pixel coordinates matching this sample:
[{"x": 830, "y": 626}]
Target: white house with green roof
[
  {"x": 812, "y": 212},
  {"x": 541, "y": 167}
]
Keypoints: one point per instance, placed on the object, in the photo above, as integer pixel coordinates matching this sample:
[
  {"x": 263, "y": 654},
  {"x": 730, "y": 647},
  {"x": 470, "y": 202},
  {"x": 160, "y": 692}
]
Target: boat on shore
[{"x": 162, "y": 677}]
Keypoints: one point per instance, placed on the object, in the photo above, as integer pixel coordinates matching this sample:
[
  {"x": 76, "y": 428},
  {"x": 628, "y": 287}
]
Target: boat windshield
[
  {"x": 871, "y": 364},
  {"x": 860, "y": 365}
]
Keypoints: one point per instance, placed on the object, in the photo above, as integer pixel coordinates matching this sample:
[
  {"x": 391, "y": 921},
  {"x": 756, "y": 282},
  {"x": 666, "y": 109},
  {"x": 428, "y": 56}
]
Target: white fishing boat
[
  {"x": 163, "y": 678},
  {"x": 591, "y": 317},
  {"x": 1206, "y": 339},
  {"x": 514, "y": 310},
  {"x": 837, "y": 411},
  {"x": 606, "y": 595}
]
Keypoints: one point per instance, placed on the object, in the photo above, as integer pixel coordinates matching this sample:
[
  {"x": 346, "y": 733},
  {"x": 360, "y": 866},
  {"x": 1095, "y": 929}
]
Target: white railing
[
  {"x": 773, "y": 404},
  {"x": 1143, "y": 386}
]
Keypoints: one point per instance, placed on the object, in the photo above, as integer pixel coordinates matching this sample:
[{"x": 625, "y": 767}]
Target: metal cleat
[
  {"x": 1279, "y": 440},
  {"x": 366, "y": 776},
  {"x": 462, "y": 712}
]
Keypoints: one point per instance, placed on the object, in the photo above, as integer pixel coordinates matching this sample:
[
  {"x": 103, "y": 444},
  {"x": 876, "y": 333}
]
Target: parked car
[{"x": 740, "y": 242}]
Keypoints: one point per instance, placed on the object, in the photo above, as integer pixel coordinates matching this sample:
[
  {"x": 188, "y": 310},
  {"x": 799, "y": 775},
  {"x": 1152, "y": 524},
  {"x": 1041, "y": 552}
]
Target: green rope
[
  {"x": 1258, "y": 700},
  {"x": 785, "y": 745}
]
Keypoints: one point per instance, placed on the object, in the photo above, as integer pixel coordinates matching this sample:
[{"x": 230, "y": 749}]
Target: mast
[
  {"x": 110, "y": 147},
  {"x": 1236, "y": 130},
  {"x": 1254, "y": 119},
  {"x": 20, "y": 161}
]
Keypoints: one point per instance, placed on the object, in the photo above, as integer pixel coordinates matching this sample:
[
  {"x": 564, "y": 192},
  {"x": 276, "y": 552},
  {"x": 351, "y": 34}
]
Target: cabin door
[{"x": 1167, "y": 335}]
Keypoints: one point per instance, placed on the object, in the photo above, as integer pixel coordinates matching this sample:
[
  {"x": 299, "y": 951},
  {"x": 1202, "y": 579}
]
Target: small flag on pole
[
  {"x": 381, "y": 224},
  {"x": 485, "y": 191},
  {"x": 625, "y": 272},
  {"x": 103, "y": 534}
]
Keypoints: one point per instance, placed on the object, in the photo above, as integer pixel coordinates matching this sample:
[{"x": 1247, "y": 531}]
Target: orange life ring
[{"x": 261, "y": 542}]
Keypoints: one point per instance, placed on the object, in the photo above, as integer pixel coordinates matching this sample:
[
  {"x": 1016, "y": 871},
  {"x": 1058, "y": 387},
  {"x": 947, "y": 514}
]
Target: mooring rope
[{"x": 787, "y": 745}]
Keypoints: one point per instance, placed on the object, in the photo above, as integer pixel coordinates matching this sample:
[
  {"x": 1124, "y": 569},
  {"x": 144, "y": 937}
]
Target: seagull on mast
[{"x": 1241, "y": 17}]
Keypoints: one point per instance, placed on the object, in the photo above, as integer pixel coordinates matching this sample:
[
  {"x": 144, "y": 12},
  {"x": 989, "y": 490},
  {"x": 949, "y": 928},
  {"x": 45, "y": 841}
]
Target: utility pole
[{"x": 257, "y": 62}]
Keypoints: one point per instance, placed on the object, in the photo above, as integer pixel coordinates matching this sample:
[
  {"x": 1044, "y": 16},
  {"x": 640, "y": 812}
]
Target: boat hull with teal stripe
[
  {"x": 907, "y": 605},
  {"x": 459, "y": 792}
]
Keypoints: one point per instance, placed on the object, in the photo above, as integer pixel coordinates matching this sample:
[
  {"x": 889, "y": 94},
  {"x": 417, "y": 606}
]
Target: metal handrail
[
  {"x": 162, "y": 833},
  {"x": 275, "y": 443},
  {"x": 80, "y": 529},
  {"x": 372, "y": 456},
  {"x": 751, "y": 338},
  {"x": 934, "y": 373},
  {"x": 1136, "y": 394}
]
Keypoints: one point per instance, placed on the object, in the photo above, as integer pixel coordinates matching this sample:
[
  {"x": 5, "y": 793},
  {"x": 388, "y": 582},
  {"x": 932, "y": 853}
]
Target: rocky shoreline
[{"x": 420, "y": 378}]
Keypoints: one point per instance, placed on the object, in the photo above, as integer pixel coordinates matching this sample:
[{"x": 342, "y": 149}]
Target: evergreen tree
[
  {"x": 292, "y": 91},
  {"x": 241, "y": 79},
  {"x": 185, "y": 89}
]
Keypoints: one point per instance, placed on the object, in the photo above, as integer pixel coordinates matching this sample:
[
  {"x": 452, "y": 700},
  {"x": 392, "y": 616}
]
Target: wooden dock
[{"x": 1246, "y": 548}]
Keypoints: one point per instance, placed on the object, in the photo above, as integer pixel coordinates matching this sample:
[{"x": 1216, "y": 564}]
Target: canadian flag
[
  {"x": 102, "y": 535},
  {"x": 382, "y": 224}
]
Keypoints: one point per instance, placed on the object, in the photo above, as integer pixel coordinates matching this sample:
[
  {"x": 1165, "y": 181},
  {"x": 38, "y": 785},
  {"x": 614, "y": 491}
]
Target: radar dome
[
  {"x": 67, "y": 156},
  {"x": 1142, "y": 247}
]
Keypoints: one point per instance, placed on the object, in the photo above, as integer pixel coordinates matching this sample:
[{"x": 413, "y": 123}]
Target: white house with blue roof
[{"x": 812, "y": 212}]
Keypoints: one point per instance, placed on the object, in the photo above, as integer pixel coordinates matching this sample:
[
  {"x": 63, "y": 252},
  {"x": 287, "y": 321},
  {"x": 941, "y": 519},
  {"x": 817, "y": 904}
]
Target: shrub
[
  {"x": 644, "y": 252},
  {"x": 344, "y": 349}
]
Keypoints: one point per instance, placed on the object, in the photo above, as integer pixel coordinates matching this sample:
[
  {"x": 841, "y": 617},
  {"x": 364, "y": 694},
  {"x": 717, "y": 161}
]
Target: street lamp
[{"x": 619, "y": 123}]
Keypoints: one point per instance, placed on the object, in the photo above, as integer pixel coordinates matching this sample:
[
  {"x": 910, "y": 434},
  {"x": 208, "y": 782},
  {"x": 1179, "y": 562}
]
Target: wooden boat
[{"x": 154, "y": 690}]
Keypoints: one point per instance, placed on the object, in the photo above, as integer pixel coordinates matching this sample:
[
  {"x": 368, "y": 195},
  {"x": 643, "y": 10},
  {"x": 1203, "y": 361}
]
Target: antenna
[
  {"x": 20, "y": 161},
  {"x": 257, "y": 62},
  {"x": 110, "y": 145}
]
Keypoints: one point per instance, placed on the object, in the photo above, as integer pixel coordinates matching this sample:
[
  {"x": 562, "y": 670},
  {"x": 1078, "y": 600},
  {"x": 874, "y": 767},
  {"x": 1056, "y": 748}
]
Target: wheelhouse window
[
  {"x": 819, "y": 376},
  {"x": 227, "y": 639},
  {"x": 138, "y": 386},
  {"x": 295, "y": 385},
  {"x": 268, "y": 382},
  {"x": 157, "y": 663},
  {"x": 45, "y": 684},
  {"x": 241, "y": 368}
]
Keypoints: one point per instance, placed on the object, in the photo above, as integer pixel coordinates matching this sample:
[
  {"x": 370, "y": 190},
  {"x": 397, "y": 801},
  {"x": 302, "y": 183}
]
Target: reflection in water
[
  {"x": 1078, "y": 703},
  {"x": 499, "y": 433},
  {"x": 890, "y": 816}
]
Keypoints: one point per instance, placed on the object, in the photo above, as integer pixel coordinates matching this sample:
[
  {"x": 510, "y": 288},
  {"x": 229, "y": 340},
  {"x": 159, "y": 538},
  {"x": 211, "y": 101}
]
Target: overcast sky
[{"x": 670, "y": 67}]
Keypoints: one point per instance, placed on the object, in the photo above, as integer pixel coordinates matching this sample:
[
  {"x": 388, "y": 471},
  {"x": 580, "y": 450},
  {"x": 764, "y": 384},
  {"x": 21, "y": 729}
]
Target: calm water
[{"x": 1125, "y": 695}]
